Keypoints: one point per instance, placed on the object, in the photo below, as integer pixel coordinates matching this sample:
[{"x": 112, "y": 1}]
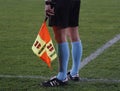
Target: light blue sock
[
  {"x": 63, "y": 54},
  {"x": 76, "y": 57}
]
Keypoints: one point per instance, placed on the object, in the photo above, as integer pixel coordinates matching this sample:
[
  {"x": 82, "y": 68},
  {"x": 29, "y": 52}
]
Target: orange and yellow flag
[{"x": 43, "y": 46}]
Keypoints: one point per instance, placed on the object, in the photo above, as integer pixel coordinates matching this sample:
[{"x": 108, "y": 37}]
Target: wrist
[{"x": 47, "y": 2}]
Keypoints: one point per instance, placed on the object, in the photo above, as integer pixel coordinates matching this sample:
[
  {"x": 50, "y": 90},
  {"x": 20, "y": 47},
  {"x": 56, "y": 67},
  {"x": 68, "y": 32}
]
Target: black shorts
[{"x": 66, "y": 13}]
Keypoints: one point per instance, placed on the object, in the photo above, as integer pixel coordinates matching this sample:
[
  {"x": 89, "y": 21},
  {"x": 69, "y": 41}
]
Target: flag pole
[{"x": 46, "y": 18}]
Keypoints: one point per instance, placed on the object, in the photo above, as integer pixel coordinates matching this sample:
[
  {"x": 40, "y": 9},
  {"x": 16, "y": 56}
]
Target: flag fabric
[{"x": 43, "y": 46}]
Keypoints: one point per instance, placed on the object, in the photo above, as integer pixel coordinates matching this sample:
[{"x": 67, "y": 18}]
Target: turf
[{"x": 20, "y": 21}]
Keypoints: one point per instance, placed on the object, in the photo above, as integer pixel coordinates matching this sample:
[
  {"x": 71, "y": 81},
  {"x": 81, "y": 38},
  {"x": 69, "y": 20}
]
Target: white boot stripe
[{"x": 51, "y": 83}]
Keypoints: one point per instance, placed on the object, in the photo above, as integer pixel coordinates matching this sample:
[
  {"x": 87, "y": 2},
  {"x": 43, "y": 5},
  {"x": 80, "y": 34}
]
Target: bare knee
[
  {"x": 73, "y": 34},
  {"x": 59, "y": 34}
]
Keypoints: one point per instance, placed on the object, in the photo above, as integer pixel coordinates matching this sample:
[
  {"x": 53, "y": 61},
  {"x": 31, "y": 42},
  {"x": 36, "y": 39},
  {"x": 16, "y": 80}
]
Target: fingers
[{"x": 49, "y": 11}]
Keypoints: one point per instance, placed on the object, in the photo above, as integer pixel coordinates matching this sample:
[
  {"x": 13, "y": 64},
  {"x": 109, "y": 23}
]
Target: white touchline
[
  {"x": 100, "y": 80},
  {"x": 81, "y": 80},
  {"x": 20, "y": 76},
  {"x": 85, "y": 61},
  {"x": 99, "y": 51}
]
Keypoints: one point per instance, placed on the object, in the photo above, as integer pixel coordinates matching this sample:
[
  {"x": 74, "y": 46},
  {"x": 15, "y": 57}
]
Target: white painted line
[
  {"x": 100, "y": 80},
  {"x": 20, "y": 76},
  {"x": 44, "y": 78},
  {"x": 99, "y": 51}
]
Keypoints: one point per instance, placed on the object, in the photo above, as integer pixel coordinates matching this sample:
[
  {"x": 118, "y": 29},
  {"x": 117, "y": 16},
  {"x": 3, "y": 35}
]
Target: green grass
[{"x": 20, "y": 21}]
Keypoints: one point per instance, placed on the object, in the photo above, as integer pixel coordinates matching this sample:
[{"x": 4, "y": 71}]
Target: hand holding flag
[{"x": 43, "y": 46}]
